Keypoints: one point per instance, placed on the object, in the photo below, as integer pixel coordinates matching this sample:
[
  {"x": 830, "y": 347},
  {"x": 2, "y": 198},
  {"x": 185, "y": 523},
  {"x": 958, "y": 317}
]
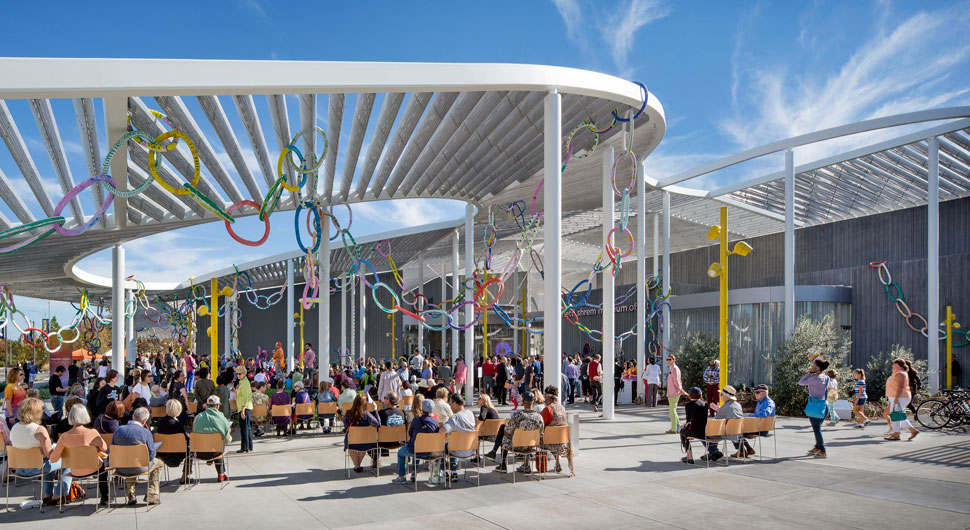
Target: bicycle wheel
[{"x": 933, "y": 414}]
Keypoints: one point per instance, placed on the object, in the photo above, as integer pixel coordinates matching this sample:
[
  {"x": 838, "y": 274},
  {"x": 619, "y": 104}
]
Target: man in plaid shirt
[{"x": 712, "y": 378}]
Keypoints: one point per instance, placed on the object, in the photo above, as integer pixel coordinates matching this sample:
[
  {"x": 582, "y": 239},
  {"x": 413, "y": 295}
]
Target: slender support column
[
  {"x": 362, "y": 316},
  {"x": 343, "y": 317},
  {"x": 656, "y": 243},
  {"x": 641, "y": 336},
  {"x": 469, "y": 309},
  {"x": 722, "y": 320},
  {"x": 131, "y": 341},
  {"x": 118, "y": 309},
  {"x": 213, "y": 330},
  {"x": 290, "y": 303},
  {"x": 353, "y": 318},
  {"x": 608, "y": 282},
  {"x": 323, "y": 308},
  {"x": 665, "y": 333},
  {"x": 552, "y": 247},
  {"x": 789, "y": 243},
  {"x": 455, "y": 286},
  {"x": 933, "y": 267},
  {"x": 421, "y": 292},
  {"x": 444, "y": 296},
  {"x": 515, "y": 285}
]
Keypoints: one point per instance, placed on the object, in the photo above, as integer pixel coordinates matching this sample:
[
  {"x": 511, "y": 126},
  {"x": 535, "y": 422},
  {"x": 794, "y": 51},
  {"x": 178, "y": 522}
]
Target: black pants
[
  {"x": 218, "y": 462},
  {"x": 616, "y": 390},
  {"x": 498, "y": 438},
  {"x": 596, "y": 392},
  {"x": 502, "y": 393}
]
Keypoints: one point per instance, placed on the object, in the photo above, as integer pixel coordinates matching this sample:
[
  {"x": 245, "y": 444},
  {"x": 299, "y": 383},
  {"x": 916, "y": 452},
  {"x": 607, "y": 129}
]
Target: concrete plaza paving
[{"x": 629, "y": 475}]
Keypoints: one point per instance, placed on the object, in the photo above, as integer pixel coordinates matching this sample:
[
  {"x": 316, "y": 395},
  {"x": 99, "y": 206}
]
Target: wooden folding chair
[
  {"x": 171, "y": 444},
  {"x": 524, "y": 443},
  {"x": 158, "y": 412},
  {"x": 80, "y": 457},
  {"x": 487, "y": 431},
  {"x": 464, "y": 441},
  {"x": 123, "y": 457},
  {"x": 766, "y": 425},
  {"x": 207, "y": 442},
  {"x": 326, "y": 408},
  {"x": 731, "y": 428},
  {"x": 282, "y": 411},
  {"x": 361, "y": 435},
  {"x": 397, "y": 434},
  {"x": 432, "y": 444},
  {"x": 233, "y": 410},
  {"x": 107, "y": 438},
  {"x": 31, "y": 458},
  {"x": 554, "y": 436},
  {"x": 406, "y": 402},
  {"x": 750, "y": 428},
  {"x": 192, "y": 408},
  {"x": 714, "y": 432},
  {"x": 304, "y": 409}
]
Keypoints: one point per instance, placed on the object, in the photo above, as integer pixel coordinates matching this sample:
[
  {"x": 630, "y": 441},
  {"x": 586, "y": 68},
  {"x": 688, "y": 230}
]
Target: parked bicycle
[{"x": 950, "y": 409}]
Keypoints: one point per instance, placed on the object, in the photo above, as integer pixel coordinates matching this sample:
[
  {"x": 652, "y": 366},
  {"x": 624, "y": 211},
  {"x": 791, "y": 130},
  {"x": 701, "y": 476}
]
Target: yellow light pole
[
  {"x": 720, "y": 270},
  {"x": 951, "y": 324},
  {"x": 213, "y": 330}
]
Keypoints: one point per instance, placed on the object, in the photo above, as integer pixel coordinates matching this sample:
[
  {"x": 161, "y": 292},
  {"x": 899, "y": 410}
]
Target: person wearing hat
[
  {"x": 244, "y": 403},
  {"x": 421, "y": 424},
  {"x": 696, "y": 426},
  {"x": 526, "y": 419},
  {"x": 765, "y": 406},
  {"x": 731, "y": 409},
  {"x": 301, "y": 397}
]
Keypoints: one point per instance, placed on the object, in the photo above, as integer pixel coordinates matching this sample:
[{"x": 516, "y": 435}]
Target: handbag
[
  {"x": 897, "y": 414},
  {"x": 815, "y": 408},
  {"x": 542, "y": 462}
]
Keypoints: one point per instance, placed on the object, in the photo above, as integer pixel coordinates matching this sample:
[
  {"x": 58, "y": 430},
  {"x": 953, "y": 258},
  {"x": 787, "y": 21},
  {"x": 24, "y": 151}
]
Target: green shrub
[
  {"x": 792, "y": 360},
  {"x": 880, "y": 367},
  {"x": 694, "y": 355}
]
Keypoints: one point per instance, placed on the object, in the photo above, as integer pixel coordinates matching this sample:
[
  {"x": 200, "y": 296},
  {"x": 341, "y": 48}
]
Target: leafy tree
[
  {"x": 693, "y": 356},
  {"x": 811, "y": 337}
]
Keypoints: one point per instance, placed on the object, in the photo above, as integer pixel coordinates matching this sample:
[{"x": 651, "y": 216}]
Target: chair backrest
[
  {"x": 158, "y": 412},
  {"x": 206, "y": 442},
  {"x": 462, "y": 441},
  {"x": 232, "y": 405},
  {"x": 371, "y": 407},
  {"x": 128, "y": 456},
  {"x": 346, "y": 406},
  {"x": 362, "y": 435},
  {"x": 733, "y": 426},
  {"x": 259, "y": 411},
  {"x": 304, "y": 409},
  {"x": 25, "y": 458},
  {"x": 80, "y": 457},
  {"x": 397, "y": 433},
  {"x": 427, "y": 442},
  {"x": 281, "y": 411},
  {"x": 192, "y": 407},
  {"x": 556, "y": 435},
  {"x": 107, "y": 438},
  {"x": 750, "y": 425},
  {"x": 379, "y": 405},
  {"x": 406, "y": 400},
  {"x": 326, "y": 408},
  {"x": 171, "y": 443},
  {"x": 490, "y": 427},
  {"x": 521, "y": 438},
  {"x": 766, "y": 424},
  {"x": 715, "y": 428}
]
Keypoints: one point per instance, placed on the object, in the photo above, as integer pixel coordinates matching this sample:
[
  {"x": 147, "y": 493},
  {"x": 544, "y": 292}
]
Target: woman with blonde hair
[
  {"x": 28, "y": 433},
  {"x": 13, "y": 395}
]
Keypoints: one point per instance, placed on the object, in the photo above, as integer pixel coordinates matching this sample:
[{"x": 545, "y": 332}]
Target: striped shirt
[
  {"x": 860, "y": 389},
  {"x": 712, "y": 376}
]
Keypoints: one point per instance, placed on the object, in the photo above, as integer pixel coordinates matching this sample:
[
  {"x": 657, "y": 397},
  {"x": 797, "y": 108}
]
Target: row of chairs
[
  {"x": 718, "y": 431},
  {"x": 122, "y": 457},
  {"x": 524, "y": 443}
]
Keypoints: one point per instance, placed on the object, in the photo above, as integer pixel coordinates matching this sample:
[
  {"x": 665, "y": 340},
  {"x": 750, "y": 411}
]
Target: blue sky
[{"x": 731, "y": 75}]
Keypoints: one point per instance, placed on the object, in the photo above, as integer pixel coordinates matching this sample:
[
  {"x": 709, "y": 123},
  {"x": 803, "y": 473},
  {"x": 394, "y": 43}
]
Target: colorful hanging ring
[
  {"x": 233, "y": 234},
  {"x": 197, "y": 168}
]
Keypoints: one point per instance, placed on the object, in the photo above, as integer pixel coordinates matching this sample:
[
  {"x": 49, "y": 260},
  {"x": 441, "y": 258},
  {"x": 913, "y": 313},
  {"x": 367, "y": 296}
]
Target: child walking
[
  {"x": 831, "y": 396},
  {"x": 860, "y": 398}
]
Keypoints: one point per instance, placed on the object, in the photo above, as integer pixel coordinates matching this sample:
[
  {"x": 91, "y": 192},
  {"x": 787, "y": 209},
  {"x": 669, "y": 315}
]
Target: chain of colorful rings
[{"x": 895, "y": 293}]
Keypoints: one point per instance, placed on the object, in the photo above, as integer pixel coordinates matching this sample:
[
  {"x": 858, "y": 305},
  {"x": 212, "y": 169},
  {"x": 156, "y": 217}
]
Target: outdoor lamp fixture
[{"x": 720, "y": 270}]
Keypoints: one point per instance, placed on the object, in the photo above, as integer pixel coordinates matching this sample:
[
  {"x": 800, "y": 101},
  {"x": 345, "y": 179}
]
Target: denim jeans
[
  {"x": 402, "y": 461},
  {"x": 817, "y": 429},
  {"x": 246, "y": 431},
  {"x": 573, "y": 390},
  {"x": 57, "y": 403},
  {"x": 189, "y": 381},
  {"x": 50, "y": 470}
]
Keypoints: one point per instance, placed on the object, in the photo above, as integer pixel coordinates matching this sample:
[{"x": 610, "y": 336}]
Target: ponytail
[{"x": 861, "y": 372}]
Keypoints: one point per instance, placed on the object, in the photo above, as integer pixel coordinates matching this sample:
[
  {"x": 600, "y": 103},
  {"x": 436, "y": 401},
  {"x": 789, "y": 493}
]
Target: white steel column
[
  {"x": 469, "y": 308},
  {"x": 656, "y": 244},
  {"x": 789, "y": 243},
  {"x": 933, "y": 266},
  {"x": 343, "y": 317},
  {"x": 665, "y": 334},
  {"x": 421, "y": 292},
  {"x": 515, "y": 309},
  {"x": 455, "y": 288},
  {"x": 608, "y": 282},
  {"x": 552, "y": 246},
  {"x": 323, "y": 306},
  {"x": 441, "y": 301},
  {"x": 641, "y": 335},
  {"x": 118, "y": 309},
  {"x": 131, "y": 342},
  {"x": 288, "y": 313},
  {"x": 362, "y": 318},
  {"x": 353, "y": 318}
]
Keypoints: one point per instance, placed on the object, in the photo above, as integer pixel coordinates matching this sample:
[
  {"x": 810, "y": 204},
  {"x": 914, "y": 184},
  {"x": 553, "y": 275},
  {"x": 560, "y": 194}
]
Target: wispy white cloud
[{"x": 408, "y": 212}]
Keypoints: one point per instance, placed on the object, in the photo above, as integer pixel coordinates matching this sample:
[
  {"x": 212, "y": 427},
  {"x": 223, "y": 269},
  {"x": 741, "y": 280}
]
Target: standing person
[
  {"x": 860, "y": 397},
  {"x": 190, "y": 367},
  {"x": 103, "y": 368},
  {"x": 204, "y": 387},
  {"x": 171, "y": 364},
  {"x": 571, "y": 372},
  {"x": 57, "y": 389},
  {"x": 817, "y": 384},
  {"x": 675, "y": 389},
  {"x": 914, "y": 385},
  {"x": 389, "y": 381},
  {"x": 832, "y": 395},
  {"x": 244, "y": 404},
  {"x": 177, "y": 391},
  {"x": 899, "y": 394},
  {"x": 595, "y": 381},
  {"x": 501, "y": 380},
  {"x": 712, "y": 383},
  {"x": 651, "y": 377},
  {"x": 417, "y": 362},
  {"x": 488, "y": 375},
  {"x": 73, "y": 374},
  {"x": 584, "y": 378},
  {"x": 109, "y": 392},
  {"x": 618, "y": 380},
  {"x": 13, "y": 395},
  {"x": 461, "y": 376}
]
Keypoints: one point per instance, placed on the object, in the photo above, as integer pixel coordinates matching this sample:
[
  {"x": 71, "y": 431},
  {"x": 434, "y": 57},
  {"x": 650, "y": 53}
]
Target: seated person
[
  {"x": 63, "y": 425},
  {"x": 347, "y": 394},
  {"x": 300, "y": 396},
  {"x": 406, "y": 392},
  {"x": 696, "y": 426},
  {"x": 731, "y": 409},
  {"x": 108, "y": 422},
  {"x": 442, "y": 409},
  {"x": 390, "y": 416},
  {"x": 79, "y": 436},
  {"x": 421, "y": 424},
  {"x": 223, "y": 393},
  {"x": 763, "y": 409},
  {"x": 554, "y": 415},
  {"x": 136, "y": 432},
  {"x": 325, "y": 395},
  {"x": 358, "y": 416},
  {"x": 159, "y": 396},
  {"x": 171, "y": 424},
  {"x": 211, "y": 420},
  {"x": 461, "y": 420},
  {"x": 280, "y": 398},
  {"x": 526, "y": 419},
  {"x": 28, "y": 433},
  {"x": 260, "y": 398}
]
